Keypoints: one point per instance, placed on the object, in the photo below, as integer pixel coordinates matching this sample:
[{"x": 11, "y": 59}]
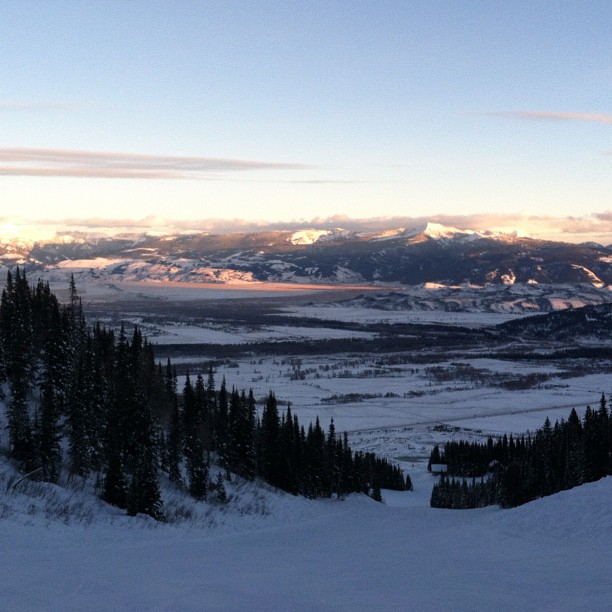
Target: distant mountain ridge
[
  {"x": 592, "y": 321},
  {"x": 431, "y": 253},
  {"x": 499, "y": 299}
]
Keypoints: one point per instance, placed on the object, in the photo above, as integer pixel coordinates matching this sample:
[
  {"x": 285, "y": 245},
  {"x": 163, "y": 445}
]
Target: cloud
[
  {"x": 312, "y": 181},
  {"x": 573, "y": 229},
  {"x": 554, "y": 116},
  {"x": 94, "y": 164},
  {"x": 596, "y": 227},
  {"x": 605, "y": 216},
  {"x": 85, "y": 173}
]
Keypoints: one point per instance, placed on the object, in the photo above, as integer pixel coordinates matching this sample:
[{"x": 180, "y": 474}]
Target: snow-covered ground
[
  {"x": 213, "y": 333},
  {"x": 168, "y": 290},
  {"x": 552, "y": 554},
  {"x": 388, "y": 406},
  {"x": 338, "y": 312},
  {"x": 63, "y": 549},
  {"x": 367, "y": 301},
  {"x": 359, "y": 393}
]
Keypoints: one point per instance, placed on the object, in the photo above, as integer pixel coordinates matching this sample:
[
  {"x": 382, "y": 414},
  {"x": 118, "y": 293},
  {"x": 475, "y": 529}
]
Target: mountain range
[{"x": 404, "y": 256}]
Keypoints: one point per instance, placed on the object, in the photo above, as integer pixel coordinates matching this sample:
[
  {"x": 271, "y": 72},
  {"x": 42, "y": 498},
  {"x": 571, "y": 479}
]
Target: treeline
[
  {"x": 393, "y": 341},
  {"x": 92, "y": 402},
  {"x": 511, "y": 472}
]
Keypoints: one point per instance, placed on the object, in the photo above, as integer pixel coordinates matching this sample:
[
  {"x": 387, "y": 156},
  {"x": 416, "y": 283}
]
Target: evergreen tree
[
  {"x": 376, "y": 493},
  {"x": 248, "y": 457},
  {"x": 3, "y": 374},
  {"x": 174, "y": 445},
  {"x": 239, "y": 455},
  {"x": 197, "y": 469},
  {"x": 209, "y": 409},
  {"x": 434, "y": 457},
  {"x": 220, "y": 489},
  {"x": 19, "y": 422},
  {"x": 115, "y": 485},
  {"x": 332, "y": 459},
  {"x": 269, "y": 441},
  {"x": 50, "y": 454},
  {"x": 144, "y": 495}
]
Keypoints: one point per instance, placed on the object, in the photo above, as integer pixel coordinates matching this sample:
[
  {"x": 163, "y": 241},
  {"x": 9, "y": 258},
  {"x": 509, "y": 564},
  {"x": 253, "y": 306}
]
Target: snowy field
[
  {"x": 169, "y": 291},
  {"x": 394, "y": 406},
  {"x": 213, "y": 333},
  {"x": 63, "y": 549},
  {"x": 372, "y": 315}
]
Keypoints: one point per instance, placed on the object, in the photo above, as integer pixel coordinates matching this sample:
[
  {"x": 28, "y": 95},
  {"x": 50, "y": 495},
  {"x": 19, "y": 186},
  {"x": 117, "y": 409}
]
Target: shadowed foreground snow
[{"x": 552, "y": 554}]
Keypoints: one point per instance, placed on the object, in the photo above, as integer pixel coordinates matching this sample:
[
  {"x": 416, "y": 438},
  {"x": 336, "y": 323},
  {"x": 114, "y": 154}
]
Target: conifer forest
[
  {"x": 511, "y": 472},
  {"x": 92, "y": 403}
]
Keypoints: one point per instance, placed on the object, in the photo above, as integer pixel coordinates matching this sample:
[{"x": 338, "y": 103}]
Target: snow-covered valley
[{"x": 64, "y": 549}]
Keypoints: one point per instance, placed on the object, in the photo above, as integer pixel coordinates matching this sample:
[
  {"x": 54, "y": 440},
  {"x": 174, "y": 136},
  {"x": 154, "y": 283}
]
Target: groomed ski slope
[{"x": 552, "y": 554}]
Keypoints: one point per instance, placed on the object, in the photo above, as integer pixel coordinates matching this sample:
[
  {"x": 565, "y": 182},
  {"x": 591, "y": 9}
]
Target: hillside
[
  {"x": 593, "y": 321},
  {"x": 304, "y": 555},
  {"x": 516, "y": 299},
  {"x": 432, "y": 253}
]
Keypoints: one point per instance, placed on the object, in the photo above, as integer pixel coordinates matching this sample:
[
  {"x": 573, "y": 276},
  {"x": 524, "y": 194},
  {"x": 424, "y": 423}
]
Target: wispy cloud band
[
  {"x": 554, "y": 116},
  {"x": 95, "y": 164}
]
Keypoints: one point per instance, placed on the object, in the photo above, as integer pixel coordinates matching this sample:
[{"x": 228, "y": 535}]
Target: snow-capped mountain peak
[
  {"x": 438, "y": 231},
  {"x": 307, "y": 236},
  {"x": 310, "y": 236},
  {"x": 431, "y": 252}
]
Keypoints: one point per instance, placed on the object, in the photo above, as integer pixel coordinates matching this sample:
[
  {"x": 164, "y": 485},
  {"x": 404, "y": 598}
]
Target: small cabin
[{"x": 439, "y": 468}]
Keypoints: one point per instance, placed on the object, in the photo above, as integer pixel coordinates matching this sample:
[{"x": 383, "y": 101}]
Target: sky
[{"x": 285, "y": 112}]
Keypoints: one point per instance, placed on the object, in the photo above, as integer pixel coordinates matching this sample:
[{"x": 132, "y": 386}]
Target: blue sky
[{"x": 284, "y": 111}]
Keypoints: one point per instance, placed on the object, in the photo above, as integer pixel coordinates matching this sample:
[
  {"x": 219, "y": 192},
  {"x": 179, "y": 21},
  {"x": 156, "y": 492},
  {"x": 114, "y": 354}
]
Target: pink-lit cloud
[
  {"x": 605, "y": 216},
  {"x": 596, "y": 227},
  {"x": 86, "y": 172},
  {"x": 94, "y": 164}
]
